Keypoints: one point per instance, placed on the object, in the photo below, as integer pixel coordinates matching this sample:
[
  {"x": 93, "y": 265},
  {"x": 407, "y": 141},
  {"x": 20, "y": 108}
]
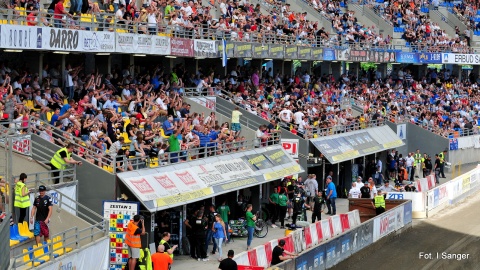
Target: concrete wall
[
  {"x": 94, "y": 184},
  {"x": 249, "y": 133},
  {"x": 463, "y": 156},
  {"x": 426, "y": 141}
]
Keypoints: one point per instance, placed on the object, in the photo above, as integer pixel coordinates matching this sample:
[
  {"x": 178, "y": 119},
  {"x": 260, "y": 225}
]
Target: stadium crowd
[{"x": 145, "y": 116}]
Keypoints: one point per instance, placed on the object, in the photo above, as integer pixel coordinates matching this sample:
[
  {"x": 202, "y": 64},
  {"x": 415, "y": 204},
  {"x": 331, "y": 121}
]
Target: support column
[
  {"x": 63, "y": 67},
  {"x": 132, "y": 63},
  {"x": 40, "y": 66},
  {"x": 336, "y": 69},
  {"x": 109, "y": 64}
]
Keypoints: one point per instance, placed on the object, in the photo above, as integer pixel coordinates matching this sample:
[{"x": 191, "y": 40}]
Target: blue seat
[
  {"x": 45, "y": 249},
  {"x": 30, "y": 254},
  {"x": 15, "y": 235},
  {"x": 407, "y": 44},
  {"x": 342, "y": 4}
]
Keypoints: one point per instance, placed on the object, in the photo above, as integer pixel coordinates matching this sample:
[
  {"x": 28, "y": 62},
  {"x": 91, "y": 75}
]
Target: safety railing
[
  {"x": 337, "y": 129},
  {"x": 227, "y": 144},
  {"x": 107, "y": 22}
]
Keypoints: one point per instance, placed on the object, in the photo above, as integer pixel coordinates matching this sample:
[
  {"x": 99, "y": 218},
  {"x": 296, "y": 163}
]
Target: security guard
[
  {"x": 169, "y": 250},
  {"x": 442, "y": 162},
  {"x": 418, "y": 162},
  {"x": 378, "y": 203},
  {"x": 22, "y": 200},
  {"x": 60, "y": 160},
  {"x": 199, "y": 231}
]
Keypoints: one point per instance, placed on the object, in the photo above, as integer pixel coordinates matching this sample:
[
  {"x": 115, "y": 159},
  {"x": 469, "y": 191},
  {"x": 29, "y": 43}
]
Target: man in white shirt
[
  {"x": 286, "y": 116},
  {"x": 126, "y": 95},
  {"x": 298, "y": 117},
  {"x": 409, "y": 161},
  {"x": 188, "y": 9},
  {"x": 311, "y": 186},
  {"x": 223, "y": 8},
  {"x": 119, "y": 13},
  {"x": 354, "y": 191}
]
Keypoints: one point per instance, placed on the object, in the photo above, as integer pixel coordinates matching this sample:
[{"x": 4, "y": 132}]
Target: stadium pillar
[
  {"x": 383, "y": 69},
  {"x": 336, "y": 69},
  {"x": 476, "y": 71},
  {"x": 132, "y": 63},
  {"x": 89, "y": 63},
  {"x": 40, "y": 65},
  {"x": 459, "y": 72}
]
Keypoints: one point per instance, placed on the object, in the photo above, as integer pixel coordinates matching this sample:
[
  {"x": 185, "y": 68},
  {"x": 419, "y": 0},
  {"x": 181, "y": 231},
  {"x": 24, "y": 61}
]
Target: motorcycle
[{"x": 239, "y": 227}]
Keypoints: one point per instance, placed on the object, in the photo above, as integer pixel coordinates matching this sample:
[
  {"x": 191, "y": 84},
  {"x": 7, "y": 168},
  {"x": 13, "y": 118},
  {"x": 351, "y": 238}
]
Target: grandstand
[{"x": 145, "y": 93}]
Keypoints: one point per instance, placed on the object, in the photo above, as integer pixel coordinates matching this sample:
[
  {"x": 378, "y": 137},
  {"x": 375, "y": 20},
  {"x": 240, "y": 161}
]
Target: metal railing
[
  {"x": 338, "y": 129},
  {"x": 107, "y": 22},
  {"x": 123, "y": 163}
]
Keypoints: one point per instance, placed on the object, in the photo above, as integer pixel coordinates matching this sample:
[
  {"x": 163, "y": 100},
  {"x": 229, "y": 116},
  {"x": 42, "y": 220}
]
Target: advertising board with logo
[
  {"x": 317, "y": 54},
  {"x": 290, "y": 146},
  {"x": 230, "y": 48},
  {"x": 276, "y": 51},
  {"x": 243, "y": 50},
  {"x": 291, "y": 52},
  {"x": 59, "y": 39},
  {"x": 304, "y": 53},
  {"x": 205, "y": 48},
  {"x": 146, "y": 44},
  {"x": 430, "y": 58},
  {"x": 21, "y": 37},
  {"x": 260, "y": 51},
  {"x": 461, "y": 58},
  {"x": 407, "y": 57},
  {"x": 182, "y": 47}
]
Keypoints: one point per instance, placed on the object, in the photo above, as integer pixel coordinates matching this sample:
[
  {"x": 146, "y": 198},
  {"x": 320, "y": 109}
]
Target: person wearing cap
[
  {"x": 133, "y": 241},
  {"x": 41, "y": 213},
  {"x": 365, "y": 191},
  {"x": 279, "y": 254},
  {"x": 228, "y": 263},
  {"x": 378, "y": 203},
  {"x": 60, "y": 160}
]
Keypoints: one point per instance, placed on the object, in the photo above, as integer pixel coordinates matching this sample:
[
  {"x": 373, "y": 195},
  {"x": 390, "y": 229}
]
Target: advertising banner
[
  {"x": 317, "y": 54},
  {"x": 146, "y": 44},
  {"x": 21, "y": 37},
  {"x": 461, "y": 59},
  {"x": 58, "y": 39},
  {"x": 205, "y": 48},
  {"x": 291, "y": 52},
  {"x": 182, "y": 47},
  {"x": 276, "y": 51},
  {"x": 290, "y": 146},
  {"x": 68, "y": 190},
  {"x": 95, "y": 256},
  {"x": 345, "y": 246},
  {"x": 407, "y": 214},
  {"x": 21, "y": 144},
  {"x": 278, "y": 157},
  {"x": 359, "y": 56},
  {"x": 407, "y": 57},
  {"x": 328, "y": 54},
  {"x": 258, "y": 161},
  {"x": 381, "y": 57},
  {"x": 243, "y": 50},
  {"x": 342, "y": 55},
  {"x": 333, "y": 251},
  {"x": 312, "y": 259},
  {"x": 230, "y": 48},
  {"x": 430, "y": 58},
  {"x": 260, "y": 51},
  {"x": 304, "y": 53}
]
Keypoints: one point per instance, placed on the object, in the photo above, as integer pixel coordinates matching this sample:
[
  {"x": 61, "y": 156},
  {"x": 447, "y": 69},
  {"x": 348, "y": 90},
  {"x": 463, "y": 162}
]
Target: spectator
[
  {"x": 279, "y": 254},
  {"x": 41, "y": 214}
]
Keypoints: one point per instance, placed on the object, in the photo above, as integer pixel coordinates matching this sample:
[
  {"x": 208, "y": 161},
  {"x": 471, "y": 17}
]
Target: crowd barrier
[
  {"x": 431, "y": 199},
  {"x": 300, "y": 239},
  {"x": 330, "y": 252}
]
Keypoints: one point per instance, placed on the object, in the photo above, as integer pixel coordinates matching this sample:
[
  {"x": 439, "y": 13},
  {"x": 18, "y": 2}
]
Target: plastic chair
[
  {"x": 27, "y": 256},
  {"x": 24, "y": 231},
  {"x": 14, "y": 242},
  {"x": 58, "y": 246},
  {"x": 14, "y": 234},
  {"x": 38, "y": 253},
  {"x": 45, "y": 249}
]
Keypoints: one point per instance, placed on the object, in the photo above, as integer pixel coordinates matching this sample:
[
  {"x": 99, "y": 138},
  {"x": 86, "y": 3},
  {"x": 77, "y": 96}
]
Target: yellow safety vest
[
  {"x": 163, "y": 242},
  {"x": 441, "y": 157},
  {"x": 57, "y": 161},
  {"x": 21, "y": 201},
  {"x": 418, "y": 158},
  {"x": 379, "y": 201},
  {"x": 131, "y": 239}
]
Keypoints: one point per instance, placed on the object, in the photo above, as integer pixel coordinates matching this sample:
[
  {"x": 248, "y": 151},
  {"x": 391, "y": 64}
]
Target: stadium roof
[{"x": 359, "y": 143}]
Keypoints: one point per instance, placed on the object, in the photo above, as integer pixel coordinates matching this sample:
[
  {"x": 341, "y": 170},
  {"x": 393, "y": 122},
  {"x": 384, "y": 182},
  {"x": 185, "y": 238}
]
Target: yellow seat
[
  {"x": 119, "y": 30},
  {"x": 65, "y": 101},
  {"x": 49, "y": 116},
  {"x": 162, "y": 133},
  {"x": 14, "y": 242},
  {"x": 108, "y": 168},
  {"x": 58, "y": 246},
  {"x": 38, "y": 253},
  {"x": 26, "y": 258},
  {"x": 24, "y": 231},
  {"x": 153, "y": 162},
  {"x": 125, "y": 136},
  {"x": 55, "y": 254},
  {"x": 86, "y": 18}
]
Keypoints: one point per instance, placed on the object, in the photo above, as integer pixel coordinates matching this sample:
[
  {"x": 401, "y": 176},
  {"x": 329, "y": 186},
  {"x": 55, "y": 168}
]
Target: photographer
[{"x": 133, "y": 241}]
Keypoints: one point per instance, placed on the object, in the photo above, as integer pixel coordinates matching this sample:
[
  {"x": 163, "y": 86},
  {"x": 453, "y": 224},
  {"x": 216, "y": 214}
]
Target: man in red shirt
[
  {"x": 32, "y": 17},
  {"x": 58, "y": 14},
  {"x": 161, "y": 260}
]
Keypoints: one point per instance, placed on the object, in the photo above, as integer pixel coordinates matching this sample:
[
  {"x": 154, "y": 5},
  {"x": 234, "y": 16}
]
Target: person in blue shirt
[
  {"x": 66, "y": 107},
  {"x": 168, "y": 127},
  {"x": 331, "y": 193},
  {"x": 204, "y": 140}
]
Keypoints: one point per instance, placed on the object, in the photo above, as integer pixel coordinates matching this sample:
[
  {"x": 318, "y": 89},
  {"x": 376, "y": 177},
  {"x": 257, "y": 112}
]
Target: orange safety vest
[{"x": 131, "y": 239}]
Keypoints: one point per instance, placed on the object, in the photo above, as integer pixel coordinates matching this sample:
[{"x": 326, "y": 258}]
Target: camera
[{"x": 142, "y": 217}]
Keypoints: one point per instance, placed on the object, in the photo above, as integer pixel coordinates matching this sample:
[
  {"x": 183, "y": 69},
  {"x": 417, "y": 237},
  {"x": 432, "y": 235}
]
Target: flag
[{"x": 224, "y": 55}]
